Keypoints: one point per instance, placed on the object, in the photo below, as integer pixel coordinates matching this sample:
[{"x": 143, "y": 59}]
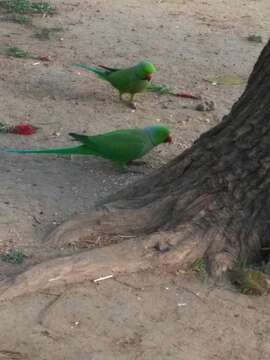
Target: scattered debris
[
  {"x": 17, "y": 52},
  {"x": 36, "y": 219},
  {"x": 103, "y": 278},
  {"x": 255, "y": 38},
  {"x": 55, "y": 279},
  {"x": 188, "y": 95},
  {"x": 75, "y": 324},
  {"x": 165, "y": 90},
  {"x": 19, "y": 129},
  {"x": 162, "y": 246},
  {"x": 45, "y": 58},
  {"x": 127, "y": 236},
  {"x": 23, "y": 129},
  {"x": 12, "y": 355},
  {"x": 182, "y": 304},
  {"x": 6, "y": 245},
  {"x": 206, "y": 106}
]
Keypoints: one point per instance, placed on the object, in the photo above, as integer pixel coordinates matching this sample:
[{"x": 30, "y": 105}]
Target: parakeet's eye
[
  {"x": 148, "y": 77},
  {"x": 169, "y": 139}
]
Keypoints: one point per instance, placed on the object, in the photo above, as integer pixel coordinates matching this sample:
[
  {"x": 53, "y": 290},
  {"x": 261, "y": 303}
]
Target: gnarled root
[{"x": 164, "y": 249}]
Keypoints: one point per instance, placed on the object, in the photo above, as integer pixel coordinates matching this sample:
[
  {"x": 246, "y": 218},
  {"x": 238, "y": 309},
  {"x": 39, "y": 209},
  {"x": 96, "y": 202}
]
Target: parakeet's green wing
[
  {"x": 126, "y": 81},
  {"x": 121, "y": 146},
  {"x": 121, "y": 80}
]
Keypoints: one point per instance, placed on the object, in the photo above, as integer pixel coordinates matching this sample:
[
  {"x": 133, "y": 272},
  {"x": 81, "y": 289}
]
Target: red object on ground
[
  {"x": 23, "y": 129},
  {"x": 188, "y": 95},
  {"x": 45, "y": 58}
]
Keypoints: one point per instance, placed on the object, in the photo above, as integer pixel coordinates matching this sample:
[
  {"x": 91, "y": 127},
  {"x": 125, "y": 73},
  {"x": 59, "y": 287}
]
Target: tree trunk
[{"x": 212, "y": 201}]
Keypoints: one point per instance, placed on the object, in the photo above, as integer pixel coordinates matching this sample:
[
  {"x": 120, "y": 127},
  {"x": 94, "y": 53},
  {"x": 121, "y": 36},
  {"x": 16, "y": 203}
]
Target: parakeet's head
[
  {"x": 158, "y": 134},
  {"x": 145, "y": 69}
]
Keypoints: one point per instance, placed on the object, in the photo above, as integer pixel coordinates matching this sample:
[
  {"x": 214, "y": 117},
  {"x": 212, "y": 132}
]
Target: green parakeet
[
  {"x": 120, "y": 146},
  {"x": 132, "y": 80}
]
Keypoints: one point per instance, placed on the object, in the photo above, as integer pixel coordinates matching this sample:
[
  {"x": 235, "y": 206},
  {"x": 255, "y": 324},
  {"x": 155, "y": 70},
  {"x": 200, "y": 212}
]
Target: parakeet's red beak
[
  {"x": 169, "y": 139},
  {"x": 148, "y": 77}
]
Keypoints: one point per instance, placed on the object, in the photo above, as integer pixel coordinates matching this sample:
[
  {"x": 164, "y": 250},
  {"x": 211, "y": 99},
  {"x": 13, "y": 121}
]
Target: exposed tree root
[
  {"x": 127, "y": 257},
  {"x": 136, "y": 239}
]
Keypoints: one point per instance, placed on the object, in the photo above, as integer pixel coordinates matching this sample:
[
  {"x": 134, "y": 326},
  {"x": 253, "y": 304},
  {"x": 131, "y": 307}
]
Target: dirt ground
[{"x": 138, "y": 316}]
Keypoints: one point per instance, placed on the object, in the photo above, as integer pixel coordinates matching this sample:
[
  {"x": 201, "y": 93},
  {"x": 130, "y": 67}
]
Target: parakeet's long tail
[
  {"x": 64, "y": 151},
  {"x": 101, "y": 72}
]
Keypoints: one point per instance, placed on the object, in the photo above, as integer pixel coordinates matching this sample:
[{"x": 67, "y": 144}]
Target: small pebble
[
  {"x": 162, "y": 247},
  {"x": 206, "y": 106}
]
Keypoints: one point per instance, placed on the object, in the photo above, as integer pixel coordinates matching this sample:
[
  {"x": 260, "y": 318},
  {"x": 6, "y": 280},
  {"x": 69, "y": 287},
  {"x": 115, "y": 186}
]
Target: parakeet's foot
[
  {"x": 125, "y": 169},
  {"x": 137, "y": 162},
  {"x": 138, "y": 172},
  {"x": 133, "y": 106},
  {"x": 132, "y": 103}
]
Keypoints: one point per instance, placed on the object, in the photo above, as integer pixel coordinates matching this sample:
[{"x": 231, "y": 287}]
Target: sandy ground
[{"x": 140, "y": 316}]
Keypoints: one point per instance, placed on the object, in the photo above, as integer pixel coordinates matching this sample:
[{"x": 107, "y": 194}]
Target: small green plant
[
  {"x": 250, "y": 281},
  {"x": 14, "y": 256},
  {"x": 27, "y": 7},
  {"x": 17, "y": 53},
  {"x": 255, "y": 38},
  {"x": 46, "y": 33},
  {"x": 16, "y": 6},
  {"x": 199, "y": 267},
  {"x": 43, "y": 7}
]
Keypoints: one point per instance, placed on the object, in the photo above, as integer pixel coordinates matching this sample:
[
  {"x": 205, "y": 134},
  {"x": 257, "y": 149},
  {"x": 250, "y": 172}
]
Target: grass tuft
[
  {"x": 249, "y": 280},
  {"x": 15, "y": 256},
  {"x": 27, "y": 7},
  {"x": 198, "y": 265},
  {"x": 17, "y": 53}
]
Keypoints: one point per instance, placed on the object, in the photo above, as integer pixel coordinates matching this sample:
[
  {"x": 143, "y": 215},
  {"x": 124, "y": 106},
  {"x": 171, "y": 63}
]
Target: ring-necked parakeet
[
  {"x": 127, "y": 81},
  {"x": 121, "y": 146}
]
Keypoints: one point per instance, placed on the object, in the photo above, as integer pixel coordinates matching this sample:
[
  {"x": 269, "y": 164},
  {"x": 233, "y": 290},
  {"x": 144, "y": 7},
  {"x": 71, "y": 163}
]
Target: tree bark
[{"x": 212, "y": 201}]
